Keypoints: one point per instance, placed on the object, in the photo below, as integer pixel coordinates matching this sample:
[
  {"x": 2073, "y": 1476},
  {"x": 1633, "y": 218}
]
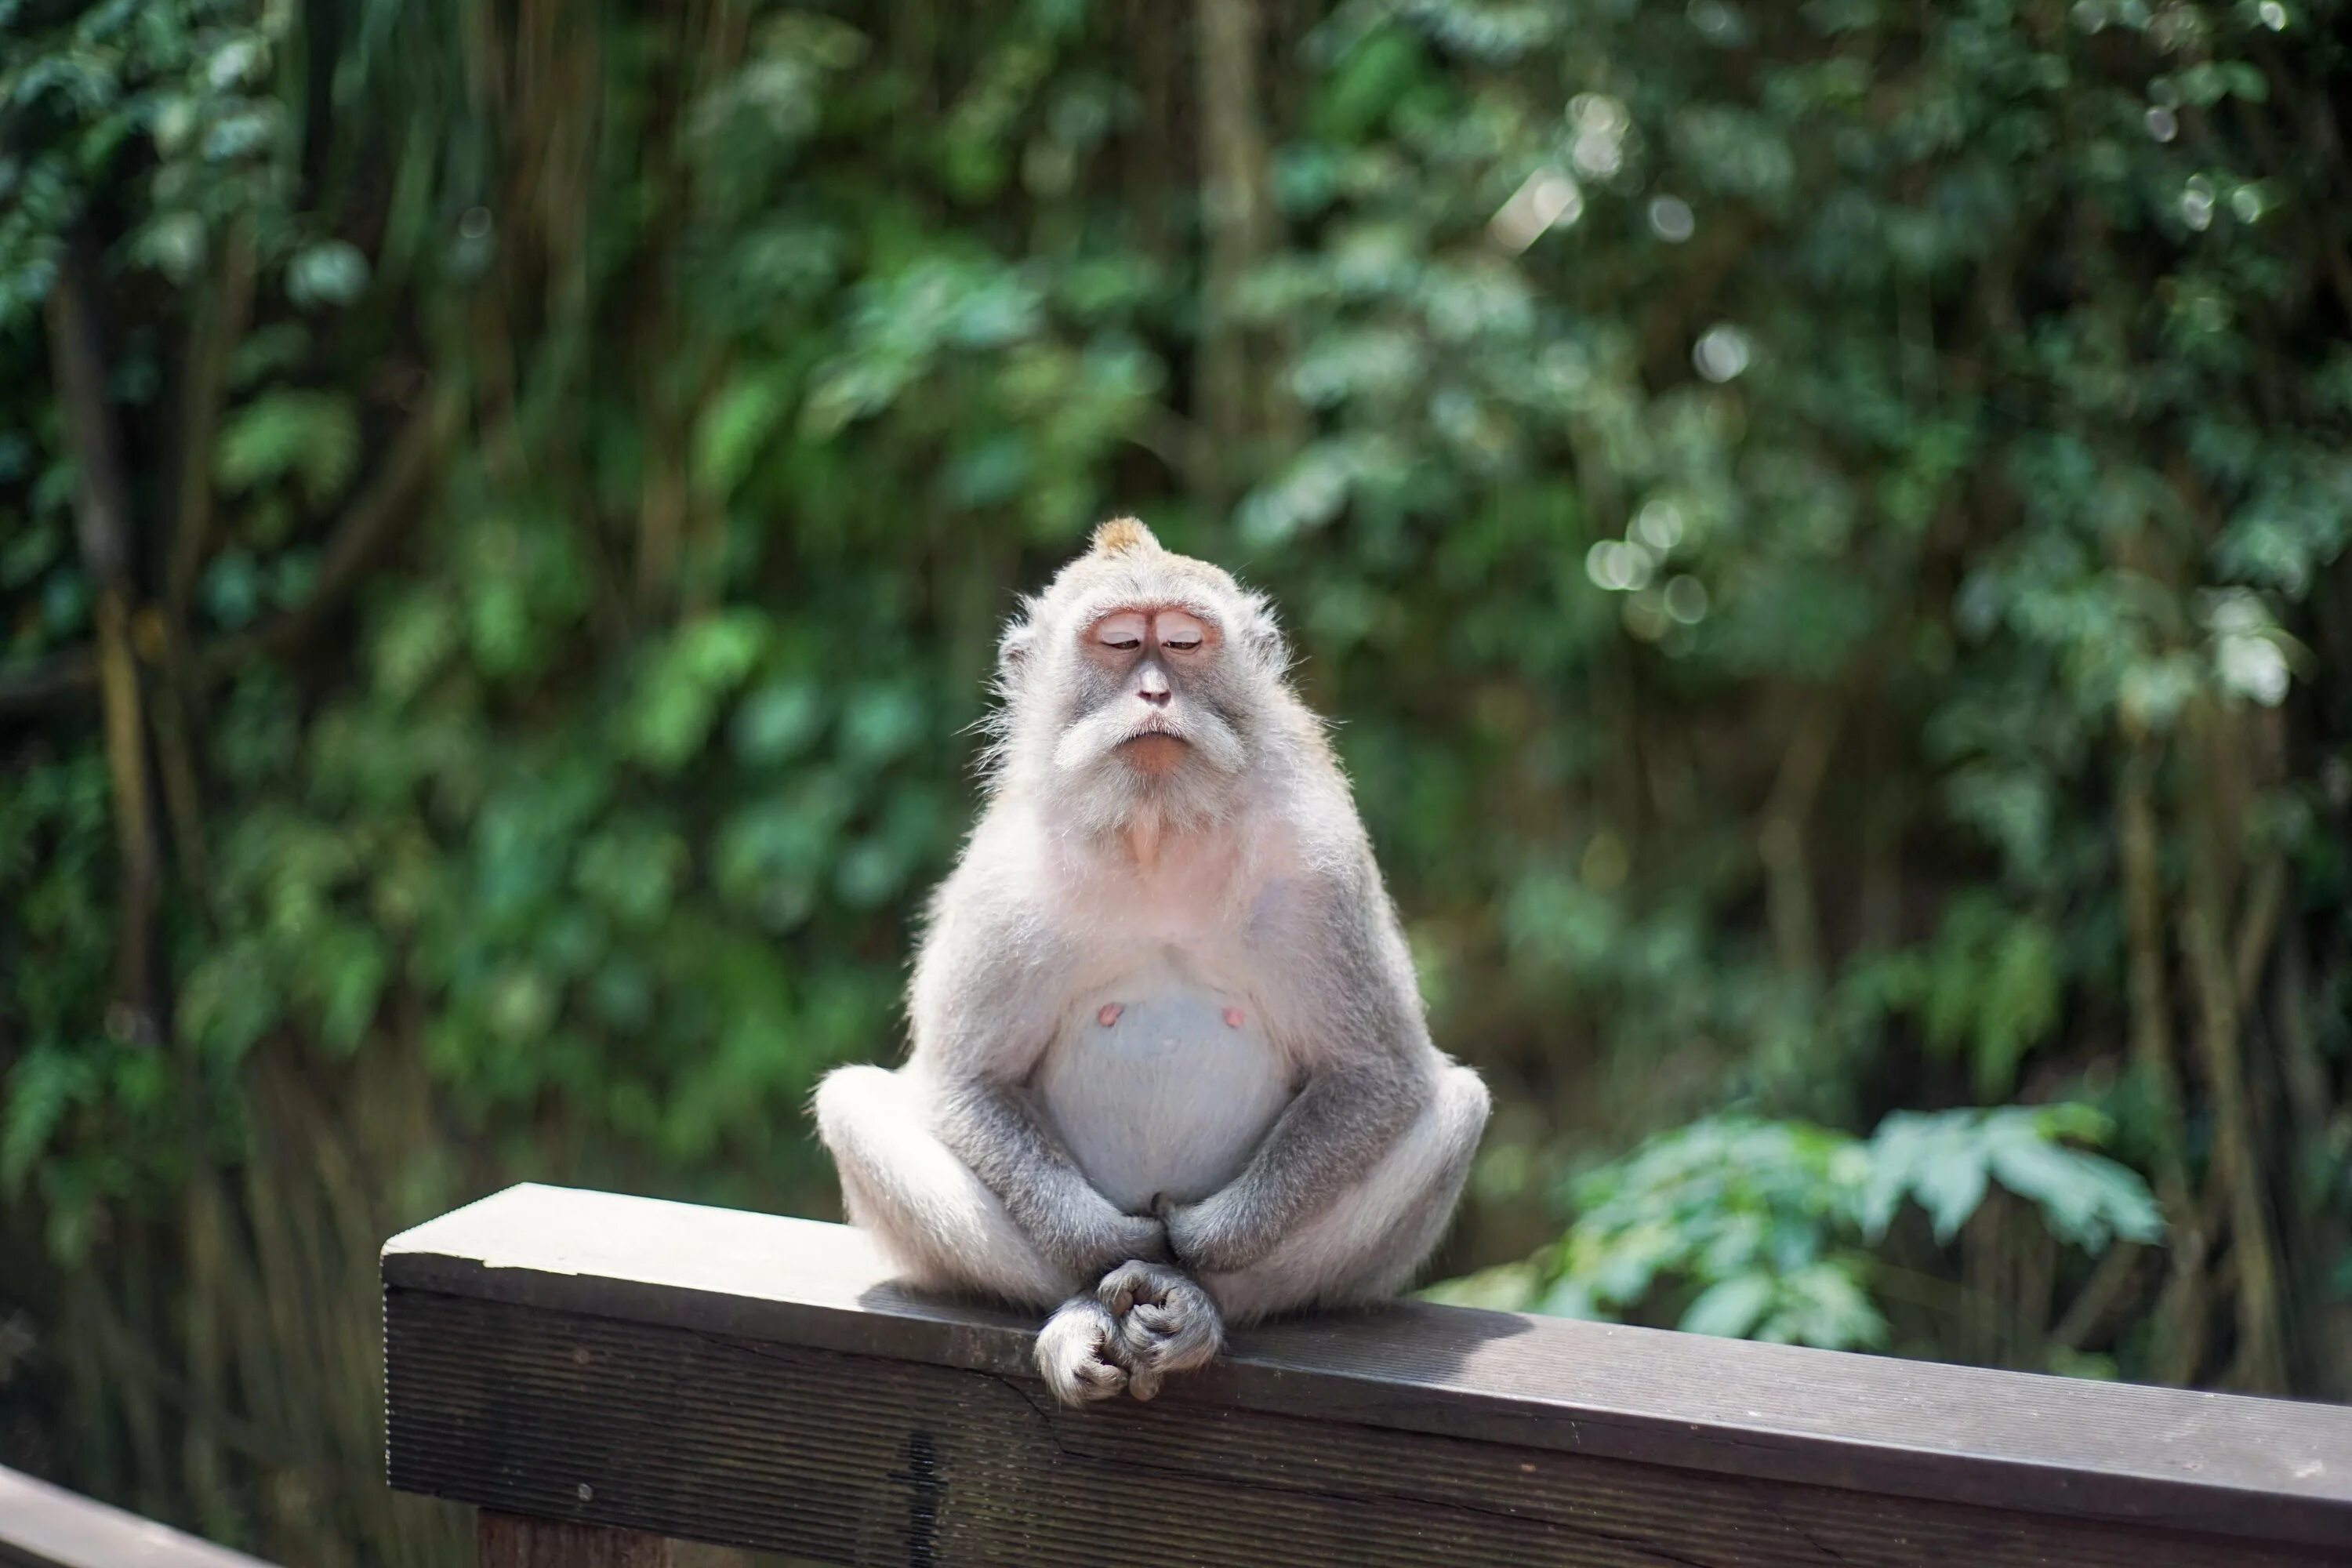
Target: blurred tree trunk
[
  {"x": 103, "y": 531},
  {"x": 1239, "y": 411}
]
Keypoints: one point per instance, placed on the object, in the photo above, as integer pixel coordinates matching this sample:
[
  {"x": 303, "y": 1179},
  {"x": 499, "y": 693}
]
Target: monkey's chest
[{"x": 1168, "y": 1093}]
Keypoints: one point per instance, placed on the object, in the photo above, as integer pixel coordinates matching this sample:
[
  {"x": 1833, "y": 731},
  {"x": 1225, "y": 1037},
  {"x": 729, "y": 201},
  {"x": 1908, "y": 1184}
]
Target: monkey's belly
[{"x": 1166, "y": 1098}]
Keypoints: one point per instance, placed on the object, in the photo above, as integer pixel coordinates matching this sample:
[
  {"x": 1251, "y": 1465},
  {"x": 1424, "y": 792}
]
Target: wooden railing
[
  {"x": 601, "y": 1374},
  {"x": 42, "y": 1526}
]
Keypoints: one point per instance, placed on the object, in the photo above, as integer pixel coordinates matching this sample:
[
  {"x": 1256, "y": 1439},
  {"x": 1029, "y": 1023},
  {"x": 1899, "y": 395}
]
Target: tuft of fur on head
[
  {"x": 1053, "y": 735},
  {"x": 1123, "y": 536}
]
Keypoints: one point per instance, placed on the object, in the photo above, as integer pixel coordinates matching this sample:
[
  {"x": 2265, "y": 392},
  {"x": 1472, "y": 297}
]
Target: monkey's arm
[
  {"x": 983, "y": 1011},
  {"x": 1327, "y": 1141},
  {"x": 1372, "y": 1069},
  {"x": 995, "y": 1130}
]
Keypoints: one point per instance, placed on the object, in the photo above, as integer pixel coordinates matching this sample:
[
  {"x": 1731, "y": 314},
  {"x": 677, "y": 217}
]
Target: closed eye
[
  {"x": 1180, "y": 633},
  {"x": 1123, "y": 632}
]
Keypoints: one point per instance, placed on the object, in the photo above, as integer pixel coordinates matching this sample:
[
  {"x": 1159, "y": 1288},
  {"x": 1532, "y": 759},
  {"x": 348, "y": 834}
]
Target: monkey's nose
[{"x": 1157, "y": 698}]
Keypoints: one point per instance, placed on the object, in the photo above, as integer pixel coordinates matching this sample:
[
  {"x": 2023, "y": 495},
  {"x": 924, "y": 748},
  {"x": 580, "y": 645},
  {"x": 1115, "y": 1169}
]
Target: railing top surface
[
  {"x": 47, "y": 1527},
  {"x": 2268, "y": 1468}
]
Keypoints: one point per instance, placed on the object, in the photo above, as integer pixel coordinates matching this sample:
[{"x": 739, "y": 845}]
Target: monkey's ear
[
  {"x": 1013, "y": 651},
  {"x": 1262, "y": 634}
]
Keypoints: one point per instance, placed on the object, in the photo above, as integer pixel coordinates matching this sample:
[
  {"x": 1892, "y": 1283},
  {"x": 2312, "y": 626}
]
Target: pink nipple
[
  {"x": 1232, "y": 1017},
  {"x": 1109, "y": 1016}
]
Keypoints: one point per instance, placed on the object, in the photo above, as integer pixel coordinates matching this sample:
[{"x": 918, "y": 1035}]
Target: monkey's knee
[
  {"x": 1448, "y": 1135},
  {"x": 936, "y": 1222},
  {"x": 1462, "y": 1104},
  {"x": 1369, "y": 1245},
  {"x": 854, "y": 1123},
  {"x": 858, "y": 1108},
  {"x": 846, "y": 1097}
]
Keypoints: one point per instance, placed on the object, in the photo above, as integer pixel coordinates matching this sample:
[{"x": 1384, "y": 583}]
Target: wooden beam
[
  {"x": 758, "y": 1382},
  {"x": 509, "y": 1541},
  {"x": 42, "y": 1526}
]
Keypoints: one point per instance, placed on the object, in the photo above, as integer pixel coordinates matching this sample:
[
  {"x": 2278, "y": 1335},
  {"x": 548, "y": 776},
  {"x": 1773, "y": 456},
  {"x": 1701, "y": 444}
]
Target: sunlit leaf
[{"x": 1729, "y": 1307}]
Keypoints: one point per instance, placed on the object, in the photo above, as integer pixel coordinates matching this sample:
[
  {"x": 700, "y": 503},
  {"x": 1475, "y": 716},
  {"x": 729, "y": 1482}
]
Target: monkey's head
[{"x": 1141, "y": 680}]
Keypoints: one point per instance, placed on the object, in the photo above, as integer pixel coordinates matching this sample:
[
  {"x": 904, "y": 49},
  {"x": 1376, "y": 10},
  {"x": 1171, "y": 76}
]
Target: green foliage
[
  {"x": 310, "y": 435},
  {"x": 1761, "y": 1229},
  {"x": 1986, "y": 987},
  {"x": 174, "y": 106}
]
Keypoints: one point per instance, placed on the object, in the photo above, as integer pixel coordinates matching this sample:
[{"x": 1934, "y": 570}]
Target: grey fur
[
  {"x": 1327, "y": 1138},
  {"x": 1240, "y": 880},
  {"x": 1369, "y": 1242},
  {"x": 995, "y": 1130},
  {"x": 1166, "y": 1323},
  {"x": 1077, "y": 1352}
]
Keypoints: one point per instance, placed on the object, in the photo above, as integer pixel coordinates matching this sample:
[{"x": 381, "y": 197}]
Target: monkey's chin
[{"x": 1154, "y": 755}]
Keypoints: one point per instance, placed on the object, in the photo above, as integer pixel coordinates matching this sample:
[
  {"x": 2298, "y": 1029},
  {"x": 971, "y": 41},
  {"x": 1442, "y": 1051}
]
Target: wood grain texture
[
  {"x": 509, "y": 1541},
  {"x": 754, "y": 1381},
  {"x": 42, "y": 1526}
]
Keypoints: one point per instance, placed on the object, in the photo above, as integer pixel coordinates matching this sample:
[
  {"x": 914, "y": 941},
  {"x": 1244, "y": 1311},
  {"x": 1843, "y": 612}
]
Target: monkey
[{"x": 1170, "y": 1069}]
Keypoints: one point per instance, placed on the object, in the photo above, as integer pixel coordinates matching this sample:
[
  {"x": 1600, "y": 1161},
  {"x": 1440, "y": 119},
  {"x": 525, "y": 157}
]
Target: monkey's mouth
[{"x": 1154, "y": 749}]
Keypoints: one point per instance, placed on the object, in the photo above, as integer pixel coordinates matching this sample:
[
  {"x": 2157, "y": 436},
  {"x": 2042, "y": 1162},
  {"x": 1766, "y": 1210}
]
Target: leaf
[
  {"x": 1569, "y": 1299},
  {"x": 332, "y": 272},
  {"x": 779, "y": 720},
  {"x": 677, "y": 701},
  {"x": 44, "y": 1085},
  {"x": 313, "y": 436},
  {"x": 353, "y": 971},
  {"x": 1729, "y": 1307},
  {"x": 1989, "y": 980},
  {"x": 173, "y": 245},
  {"x": 1824, "y": 1305},
  {"x": 1370, "y": 78},
  {"x": 728, "y": 437},
  {"x": 2018, "y": 1005},
  {"x": 869, "y": 872},
  {"x": 1506, "y": 1288},
  {"x": 632, "y": 872},
  {"x": 230, "y": 1000},
  {"x": 1950, "y": 1185},
  {"x": 880, "y": 722},
  {"x": 2086, "y": 1198},
  {"x": 413, "y": 643},
  {"x": 1890, "y": 1156},
  {"x": 1948, "y": 1159}
]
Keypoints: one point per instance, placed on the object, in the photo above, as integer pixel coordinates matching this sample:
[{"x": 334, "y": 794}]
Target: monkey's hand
[
  {"x": 1079, "y": 1353},
  {"x": 1093, "y": 1243},
  {"x": 1214, "y": 1236},
  {"x": 1166, "y": 1323},
  {"x": 1321, "y": 1146}
]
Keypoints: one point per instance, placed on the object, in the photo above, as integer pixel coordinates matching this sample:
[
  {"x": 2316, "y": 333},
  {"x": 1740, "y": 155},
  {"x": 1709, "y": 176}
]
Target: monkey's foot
[
  {"x": 1166, "y": 1322},
  {"x": 1077, "y": 1353}
]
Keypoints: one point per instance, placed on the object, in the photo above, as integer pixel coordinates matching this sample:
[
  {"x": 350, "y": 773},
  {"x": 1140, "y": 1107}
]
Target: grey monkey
[{"x": 1170, "y": 1069}]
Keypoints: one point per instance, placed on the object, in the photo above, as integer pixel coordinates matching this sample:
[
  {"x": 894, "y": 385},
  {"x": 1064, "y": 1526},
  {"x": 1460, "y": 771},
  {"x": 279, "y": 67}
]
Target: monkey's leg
[
  {"x": 937, "y": 1222},
  {"x": 1368, "y": 1243}
]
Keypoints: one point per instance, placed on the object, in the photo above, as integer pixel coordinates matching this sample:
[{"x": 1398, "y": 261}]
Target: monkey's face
[
  {"x": 1141, "y": 682},
  {"x": 1151, "y": 697}
]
